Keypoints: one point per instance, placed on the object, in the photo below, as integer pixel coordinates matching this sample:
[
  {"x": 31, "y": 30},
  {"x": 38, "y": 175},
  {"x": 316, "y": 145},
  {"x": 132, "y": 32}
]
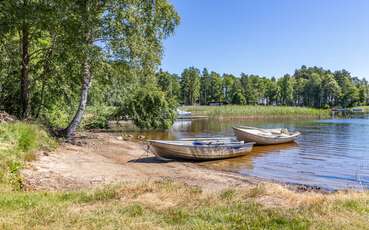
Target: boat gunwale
[
  {"x": 293, "y": 135},
  {"x": 224, "y": 145}
]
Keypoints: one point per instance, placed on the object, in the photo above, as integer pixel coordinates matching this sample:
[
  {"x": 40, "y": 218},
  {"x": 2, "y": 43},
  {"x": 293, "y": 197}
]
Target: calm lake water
[{"x": 332, "y": 154}]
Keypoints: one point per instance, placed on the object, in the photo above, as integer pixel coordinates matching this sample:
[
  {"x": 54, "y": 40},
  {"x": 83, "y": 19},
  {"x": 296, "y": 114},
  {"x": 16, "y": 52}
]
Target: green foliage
[
  {"x": 63, "y": 37},
  {"x": 311, "y": 87},
  {"x": 57, "y": 116},
  {"x": 149, "y": 108},
  {"x": 285, "y": 85},
  {"x": 228, "y": 87},
  {"x": 97, "y": 117},
  {"x": 190, "y": 85},
  {"x": 169, "y": 83}
]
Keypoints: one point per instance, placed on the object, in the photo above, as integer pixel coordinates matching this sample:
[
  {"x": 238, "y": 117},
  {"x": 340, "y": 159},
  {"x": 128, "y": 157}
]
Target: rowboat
[
  {"x": 199, "y": 149},
  {"x": 265, "y": 136},
  {"x": 183, "y": 114}
]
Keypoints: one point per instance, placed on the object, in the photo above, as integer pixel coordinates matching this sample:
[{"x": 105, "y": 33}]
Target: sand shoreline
[
  {"x": 101, "y": 159},
  {"x": 98, "y": 159}
]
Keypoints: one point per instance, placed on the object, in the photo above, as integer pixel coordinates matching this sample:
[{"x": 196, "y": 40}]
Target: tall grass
[
  {"x": 251, "y": 111},
  {"x": 18, "y": 142}
]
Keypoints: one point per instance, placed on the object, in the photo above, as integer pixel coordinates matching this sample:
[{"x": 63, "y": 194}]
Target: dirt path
[{"x": 104, "y": 159}]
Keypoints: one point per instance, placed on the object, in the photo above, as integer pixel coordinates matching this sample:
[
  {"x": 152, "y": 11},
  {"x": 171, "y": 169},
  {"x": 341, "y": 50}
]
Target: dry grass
[{"x": 170, "y": 205}]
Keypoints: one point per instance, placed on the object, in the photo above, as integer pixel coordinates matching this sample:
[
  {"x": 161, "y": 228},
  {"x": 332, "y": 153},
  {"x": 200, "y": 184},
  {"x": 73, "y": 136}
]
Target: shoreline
[
  {"x": 98, "y": 159},
  {"x": 101, "y": 181}
]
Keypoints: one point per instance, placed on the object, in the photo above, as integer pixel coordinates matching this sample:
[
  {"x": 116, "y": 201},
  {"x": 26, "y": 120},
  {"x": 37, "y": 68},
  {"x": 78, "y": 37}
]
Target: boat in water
[
  {"x": 200, "y": 148},
  {"x": 183, "y": 114},
  {"x": 265, "y": 136}
]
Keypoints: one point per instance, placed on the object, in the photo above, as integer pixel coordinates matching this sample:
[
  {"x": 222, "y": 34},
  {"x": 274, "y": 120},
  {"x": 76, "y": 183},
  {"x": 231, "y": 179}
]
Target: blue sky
[{"x": 269, "y": 37}]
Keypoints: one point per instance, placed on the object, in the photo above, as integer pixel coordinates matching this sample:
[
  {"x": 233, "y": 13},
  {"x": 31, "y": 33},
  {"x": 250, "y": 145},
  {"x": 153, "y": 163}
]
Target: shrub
[
  {"x": 57, "y": 117},
  {"x": 97, "y": 117},
  {"x": 149, "y": 108}
]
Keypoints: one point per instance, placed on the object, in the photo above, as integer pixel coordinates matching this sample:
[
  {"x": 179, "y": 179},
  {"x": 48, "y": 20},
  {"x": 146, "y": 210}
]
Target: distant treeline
[{"x": 308, "y": 86}]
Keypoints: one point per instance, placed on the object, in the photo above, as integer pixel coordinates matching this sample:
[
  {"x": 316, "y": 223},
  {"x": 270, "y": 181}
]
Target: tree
[
  {"x": 216, "y": 88},
  {"x": 24, "y": 22},
  {"x": 271, "y": 91},
  {"x": 150, "y": 109},
  {"x": 237, "y": 94},
  {"x": 169, "y": 83},
  {"x": 190, "y": 85},
  {"x": 285, "y": 85},
  {"x": 228, "y": 87},
  {"x": 205, "y": 85},
  {"x": 350, "y": 94},
  {"x": 330, "y": 90},
  {"x": 130, "y": 30},
  {"x": 247, "y": 89}
]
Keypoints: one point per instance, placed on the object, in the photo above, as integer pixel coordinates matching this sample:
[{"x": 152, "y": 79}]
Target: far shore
[{"x": 257, "y": 111}]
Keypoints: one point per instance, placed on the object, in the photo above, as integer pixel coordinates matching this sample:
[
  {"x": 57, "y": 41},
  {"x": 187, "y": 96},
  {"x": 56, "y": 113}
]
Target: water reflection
[
  {"x": 330, "y": 153},
  {"x": 246, "y": 162}
]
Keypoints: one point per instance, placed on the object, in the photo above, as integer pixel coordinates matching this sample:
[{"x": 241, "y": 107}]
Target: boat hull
[
  {"x": 243, "y": 135},
  {"x": 166, "y": 150}
]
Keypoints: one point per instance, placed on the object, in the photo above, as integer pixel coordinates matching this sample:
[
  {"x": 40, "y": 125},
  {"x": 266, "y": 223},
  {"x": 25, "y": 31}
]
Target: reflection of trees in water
[
  {"x": 213, "y": 126},
  {"x": 181, "y": 125}
]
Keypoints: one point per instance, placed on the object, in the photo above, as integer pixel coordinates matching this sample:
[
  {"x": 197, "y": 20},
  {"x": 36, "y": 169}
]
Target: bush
[
  {"x": 149, "y": 108},
  {"x": 57, "y": 117},
  {"x": 97, "y": 117}
]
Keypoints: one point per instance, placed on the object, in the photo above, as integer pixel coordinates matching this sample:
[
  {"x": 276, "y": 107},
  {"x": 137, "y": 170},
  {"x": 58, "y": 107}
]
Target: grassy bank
[
  {"x": 250, "y": 111},
  {"x": 169, "y": 205},
  {"x": 18, "y": 142},
  {"x": 162, "y": 204}
]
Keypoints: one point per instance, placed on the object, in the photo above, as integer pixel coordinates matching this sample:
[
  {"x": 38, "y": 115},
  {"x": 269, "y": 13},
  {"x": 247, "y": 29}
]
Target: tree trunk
[
  {"x": 86, "y": 83},
  {"x": 24, "y": 81},
  {"x": 45, "y": 73}
]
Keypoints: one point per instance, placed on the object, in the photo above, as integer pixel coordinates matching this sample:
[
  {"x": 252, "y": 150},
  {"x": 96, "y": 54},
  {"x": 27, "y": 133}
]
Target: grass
[
  {"x": 169, "y": 205},
  {"x": 251, "y": 111},
  {"x": 18, "y": 142},
  {"x": 163, "y": 204}
]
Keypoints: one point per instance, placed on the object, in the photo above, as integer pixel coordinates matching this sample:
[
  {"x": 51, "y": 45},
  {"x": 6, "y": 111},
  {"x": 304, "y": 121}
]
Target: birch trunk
[{"x": 86, "y": 83}]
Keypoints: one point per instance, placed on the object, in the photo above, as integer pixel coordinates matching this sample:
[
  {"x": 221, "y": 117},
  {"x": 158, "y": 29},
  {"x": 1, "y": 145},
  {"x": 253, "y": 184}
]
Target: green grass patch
[
  {"x": 18, "y": 143},
  {"x": 251, "y": 111}
]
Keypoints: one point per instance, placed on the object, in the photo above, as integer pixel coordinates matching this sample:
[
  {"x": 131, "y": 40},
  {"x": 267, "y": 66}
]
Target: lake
[{"x": 332, "y": 154}]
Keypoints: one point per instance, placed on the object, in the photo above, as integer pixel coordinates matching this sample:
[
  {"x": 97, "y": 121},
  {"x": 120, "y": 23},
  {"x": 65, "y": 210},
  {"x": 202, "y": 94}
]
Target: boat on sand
[
  {"x": 200, "y": 148},
  {"x": 265, "y": 136}
]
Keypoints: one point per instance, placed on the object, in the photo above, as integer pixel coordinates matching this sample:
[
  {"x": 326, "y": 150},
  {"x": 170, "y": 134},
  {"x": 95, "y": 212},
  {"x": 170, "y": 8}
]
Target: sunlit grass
[
  {"x": 18, "y": 143},
  {"x": 257, "y": 111},
  {"x": 169, "y": 205}
]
